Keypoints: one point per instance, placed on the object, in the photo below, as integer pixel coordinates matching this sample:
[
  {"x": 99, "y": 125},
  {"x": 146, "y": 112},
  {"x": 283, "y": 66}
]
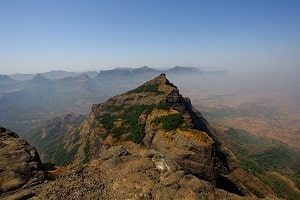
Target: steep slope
[
  {"x": 20, "y": 165},
  {"x": 57, "y": 140}
]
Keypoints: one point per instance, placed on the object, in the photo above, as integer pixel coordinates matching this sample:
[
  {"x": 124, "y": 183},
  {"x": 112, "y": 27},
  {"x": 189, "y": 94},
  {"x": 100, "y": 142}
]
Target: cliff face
[{"x": 20, "y": 165}]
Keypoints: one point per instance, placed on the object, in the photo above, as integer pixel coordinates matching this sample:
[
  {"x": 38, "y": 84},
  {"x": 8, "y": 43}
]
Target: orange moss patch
[
  {"x": 197, "y": 135},
  {"x": 59, "y": 171}
]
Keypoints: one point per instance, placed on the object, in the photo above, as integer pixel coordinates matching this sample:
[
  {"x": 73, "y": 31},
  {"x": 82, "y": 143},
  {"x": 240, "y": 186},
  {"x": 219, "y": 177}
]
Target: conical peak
[
  {"x": 161, "y": 81},
  {"x": 151, "y": 92}
]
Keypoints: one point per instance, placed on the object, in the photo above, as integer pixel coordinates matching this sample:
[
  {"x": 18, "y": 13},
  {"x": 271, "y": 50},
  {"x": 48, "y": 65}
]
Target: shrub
[
  {"x": 107, "y": 121},
  {"x": 130, "y": 123},
  {"x": 76, "y": 136},
  {"x": 118, "y": 132},
  {"x": 137, "y": 133},
  {"x": 169, "y": 122},
  {"x": 163, "y": 106},
  {"x": 86, "y": 150}
]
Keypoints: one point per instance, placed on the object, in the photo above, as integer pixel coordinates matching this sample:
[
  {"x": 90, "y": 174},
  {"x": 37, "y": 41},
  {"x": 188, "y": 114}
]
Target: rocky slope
[
  {"x": 125, "y": 174},
  {"x": 20, "y": 165}
]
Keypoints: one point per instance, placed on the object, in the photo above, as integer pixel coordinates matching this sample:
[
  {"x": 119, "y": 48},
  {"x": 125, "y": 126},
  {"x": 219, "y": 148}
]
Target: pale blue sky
[{"x": 73, "y": 35}]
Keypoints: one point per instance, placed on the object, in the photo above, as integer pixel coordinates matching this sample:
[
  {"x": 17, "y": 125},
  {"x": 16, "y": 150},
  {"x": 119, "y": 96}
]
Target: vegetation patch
[
  {"x": 117, "y": 132},
  {"x": 260, "y": 156},
  {"x": 169, "y": 122},
  {"x": 64, "y": 157},
  {"x": 164, "y": 106},
  {"x": 76, "y": 136},
  {"x": 137, "y": 134},
  {"x": 86, "y": 150},
  {"x": 107, "y": 121},
  {"x": 130, "y": 123}
]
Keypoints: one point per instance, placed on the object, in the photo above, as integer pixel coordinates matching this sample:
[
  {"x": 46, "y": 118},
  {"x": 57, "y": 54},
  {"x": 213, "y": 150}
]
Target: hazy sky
[{"x": 41, "y": 35}]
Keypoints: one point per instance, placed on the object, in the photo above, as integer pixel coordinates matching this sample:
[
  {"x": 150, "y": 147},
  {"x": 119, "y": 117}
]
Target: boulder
[{"x": 20, "y": 164}]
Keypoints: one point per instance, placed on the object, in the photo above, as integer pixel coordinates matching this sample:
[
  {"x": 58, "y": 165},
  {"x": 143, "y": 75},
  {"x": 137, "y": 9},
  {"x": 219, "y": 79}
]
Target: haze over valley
[
  {"x": 253, "y": 120},
  {"x": 150, "y": 99}
]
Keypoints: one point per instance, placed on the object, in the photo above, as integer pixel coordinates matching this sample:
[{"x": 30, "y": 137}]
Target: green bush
[
  {"x": 107, "y": 121},
  {"x": 137, "y": 133},
  {"x": 86, "y": 150},
  {"x": 76, "y": 136},
  {"x": 169, "y": 122},
  {"x": 118, "y": 132},
  {"x": 130, "y": 122},
  {"x": 163, "y": 106},
  {"x": 64, "y": 157}
]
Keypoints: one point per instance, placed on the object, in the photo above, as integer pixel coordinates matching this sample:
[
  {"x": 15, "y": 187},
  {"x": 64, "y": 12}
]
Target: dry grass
[
  {"x": 60, "y": 170},
  {"x": 284, "y": 125}
]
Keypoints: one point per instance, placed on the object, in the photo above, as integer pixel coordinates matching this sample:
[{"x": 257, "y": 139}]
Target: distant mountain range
[
  {"x": 28, "y": 99},
  {"x": 60, "y": 74},
  {"x": 54, "y": 75},
  {"x": 151, "y": 135}
]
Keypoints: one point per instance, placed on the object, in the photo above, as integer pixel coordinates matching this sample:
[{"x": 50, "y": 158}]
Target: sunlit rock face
[{"x": 20, "y": 164}]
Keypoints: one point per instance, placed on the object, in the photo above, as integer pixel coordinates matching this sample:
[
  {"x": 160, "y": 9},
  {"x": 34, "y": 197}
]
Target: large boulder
[{"x": 20, "y": 164}]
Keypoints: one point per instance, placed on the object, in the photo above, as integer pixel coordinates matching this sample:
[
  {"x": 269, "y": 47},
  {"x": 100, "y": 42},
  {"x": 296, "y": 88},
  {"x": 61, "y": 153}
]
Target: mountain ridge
[
  {"x": 60, "y": 74},
  {"x": 40, "y": 99},
  {"x": 152, "y": 133}
]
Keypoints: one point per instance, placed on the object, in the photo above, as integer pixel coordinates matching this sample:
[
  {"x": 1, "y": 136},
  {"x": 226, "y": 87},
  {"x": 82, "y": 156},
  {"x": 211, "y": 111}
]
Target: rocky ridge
[
  {"x": 118, "y": 174},
  {"x": 149, "y": 143},
  {"x": 154, "y": 124}
]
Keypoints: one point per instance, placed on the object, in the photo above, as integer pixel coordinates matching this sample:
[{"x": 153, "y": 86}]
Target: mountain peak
[
  {"x": 161, "y": 81},
  {"x": 38, "y": 78},
  {"x": 5, "y": 79},
  {"x": 83, "y": 77}
]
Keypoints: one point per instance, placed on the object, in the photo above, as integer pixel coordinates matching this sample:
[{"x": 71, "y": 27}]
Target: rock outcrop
[
  {"x": 20, "y": 164},
  {"x": 141, "y": 174}
]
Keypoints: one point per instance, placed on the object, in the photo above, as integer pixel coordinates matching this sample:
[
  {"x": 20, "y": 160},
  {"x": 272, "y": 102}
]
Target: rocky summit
[{"x": 148, "y": 143}]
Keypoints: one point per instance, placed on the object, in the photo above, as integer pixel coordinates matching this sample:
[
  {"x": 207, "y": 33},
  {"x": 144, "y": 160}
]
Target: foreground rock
[
  {"x": 118, "y": 174},
  {"x": 20, "y": 165}
]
